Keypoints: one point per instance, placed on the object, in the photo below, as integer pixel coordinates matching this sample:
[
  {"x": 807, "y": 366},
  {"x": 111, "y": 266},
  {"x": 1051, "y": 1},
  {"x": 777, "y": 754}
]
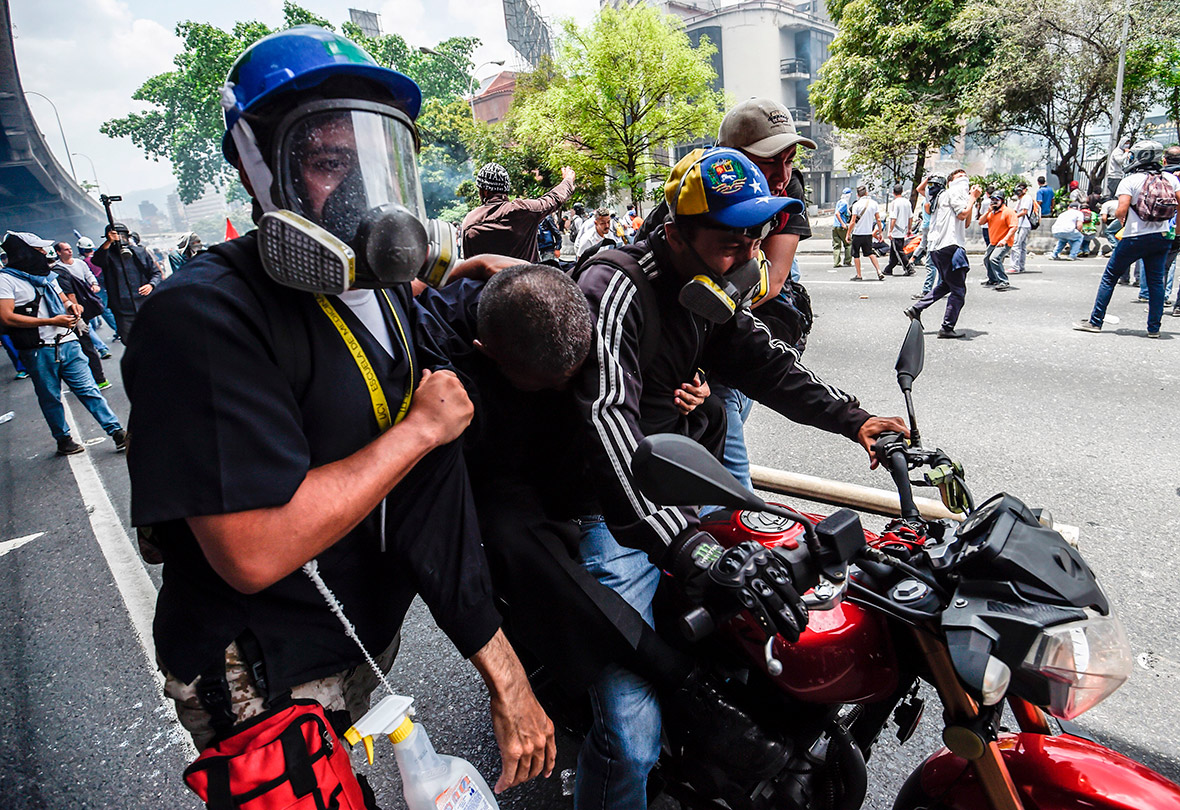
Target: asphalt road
[{"x": 1082, "y": 424}]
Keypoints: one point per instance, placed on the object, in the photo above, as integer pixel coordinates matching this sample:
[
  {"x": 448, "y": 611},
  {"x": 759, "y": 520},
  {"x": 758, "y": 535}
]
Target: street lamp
[
  {"x": 60, "y": 128},
  {"x": 471, "y": 85},
  {"x": 92, "y": 169}
]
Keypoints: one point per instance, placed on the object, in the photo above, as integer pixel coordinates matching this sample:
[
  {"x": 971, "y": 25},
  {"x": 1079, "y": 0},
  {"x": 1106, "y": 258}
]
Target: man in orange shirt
[{"x": 1000, "y": 221}]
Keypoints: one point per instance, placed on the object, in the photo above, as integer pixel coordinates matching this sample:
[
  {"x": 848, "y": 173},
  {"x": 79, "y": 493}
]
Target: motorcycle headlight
[{"x": 1082, "y": 662}]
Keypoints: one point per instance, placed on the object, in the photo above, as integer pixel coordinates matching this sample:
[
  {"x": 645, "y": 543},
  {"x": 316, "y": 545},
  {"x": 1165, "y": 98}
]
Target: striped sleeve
[
  {"x": 609, "y": 391},
  {"x": 747, "y": 356}
]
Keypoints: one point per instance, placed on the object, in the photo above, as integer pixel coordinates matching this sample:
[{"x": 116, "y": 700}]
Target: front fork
[{"x": 966, "y": 735}]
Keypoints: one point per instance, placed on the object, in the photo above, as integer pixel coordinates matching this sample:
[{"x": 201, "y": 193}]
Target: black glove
[{"x": 747, "y": 576}]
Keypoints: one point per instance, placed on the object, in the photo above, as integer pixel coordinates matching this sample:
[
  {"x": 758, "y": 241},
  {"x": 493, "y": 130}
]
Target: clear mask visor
[{"x": 340, "y": 159}]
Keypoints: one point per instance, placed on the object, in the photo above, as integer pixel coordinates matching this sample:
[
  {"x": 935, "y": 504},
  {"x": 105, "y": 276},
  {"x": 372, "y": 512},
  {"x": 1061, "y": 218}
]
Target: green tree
[
  {"x": 1052, "y": 73},
  {"x": 620, "y": 91},
  {"x": 186, "y": 123},
  {"x": 899, "y": 62},
  {"x": 890, "y": 140},
  {"x": 1166, "y": 76}
]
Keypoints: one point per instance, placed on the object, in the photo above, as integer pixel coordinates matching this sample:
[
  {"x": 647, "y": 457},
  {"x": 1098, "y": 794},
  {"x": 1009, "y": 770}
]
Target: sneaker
[
  {"x": 1153, "y": 334},
  {"x": 856, "y": 278},
  {"x": 912, "y": 313},
  {"x": 120, "y": 437},
  {"x": 1142, "y": 300},
  {"x": 988, "y": 283},
  {"x": 948, "y": 333},
  {"x": 21, "y": 375},
  {"x": 881, "y": 277},
  {"x": 104, "y": 384},
  {"x": 909, "y": 272},
  {"x": 1086, "y": 326},
  {"x": 66, "y": 446},
  {"x": 1174, "y": 313},
  {"x": 1003, "y": 286},
  {"x": 105, "y": 356},
  {"x": 1106, "y": 250}
]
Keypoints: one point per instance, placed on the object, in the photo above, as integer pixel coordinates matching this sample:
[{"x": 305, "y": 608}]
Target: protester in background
[
  {"x": 129, "y": 274},
  {"x": 923, "y": 253},
  {"x": 1044, "y": 197},
  {"x": 1076, "y": 195},
  {"x": 1148, "y": 200},
  {"x": 1089, "y": 233},
  {"x": 1068, "y": 230},
  {"x": 80, "y": 287},
  {"x": 83, "y": 270},
  {"x": 549, "y": 240},
  {"x": 188, "y": 246},
  {"x": 597, "y": 234},
  {"x": 1109, "y": 226},
  {"x": 1116, "y": 165},
  {"x": 1172, "y": 166},
  {"x": 864, "y": 226},
  {"x": 1002, "y": 226},
  {"x": 899, "y": 230},
  {"x": 948, "y": 241},
  {"x": 41, "y": 322},
  {"x": 841, "y": 241},
  {"x": 507, "y": 227}
]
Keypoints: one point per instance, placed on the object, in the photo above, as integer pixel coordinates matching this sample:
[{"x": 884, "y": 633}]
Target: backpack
[
  {"x": 1034, "y": 217},
  {"x": 1157, "y": 199},
  {"x": 546, "y": 235}
]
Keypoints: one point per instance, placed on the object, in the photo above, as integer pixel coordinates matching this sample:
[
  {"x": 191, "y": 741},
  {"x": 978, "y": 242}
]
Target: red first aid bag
[{"x": 288, "y": 758}]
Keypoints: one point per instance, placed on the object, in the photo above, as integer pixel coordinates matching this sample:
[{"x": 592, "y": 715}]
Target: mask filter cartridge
[{"x": 299, "y": 254}]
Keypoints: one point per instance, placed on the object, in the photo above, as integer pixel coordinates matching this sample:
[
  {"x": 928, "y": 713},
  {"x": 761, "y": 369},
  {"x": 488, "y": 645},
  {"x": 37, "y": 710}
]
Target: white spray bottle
[{"x": 430, "y": 781}]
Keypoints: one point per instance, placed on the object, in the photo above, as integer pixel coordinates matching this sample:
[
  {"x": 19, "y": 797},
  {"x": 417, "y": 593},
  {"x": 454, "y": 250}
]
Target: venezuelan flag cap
[{"x": 724, "y": 186}]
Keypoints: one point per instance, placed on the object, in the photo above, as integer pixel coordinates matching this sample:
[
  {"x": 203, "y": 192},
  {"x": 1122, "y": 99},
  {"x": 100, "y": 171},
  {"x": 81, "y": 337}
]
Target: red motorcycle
[{"x": 998, "y": 611}]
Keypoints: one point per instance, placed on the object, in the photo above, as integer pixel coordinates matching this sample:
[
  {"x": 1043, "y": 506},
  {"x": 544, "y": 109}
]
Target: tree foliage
[
  {"x": 1054, "y": 68},
  {"x": 619, "y": 91},
  {"x": 185, "y": 123},
  {"x": 899, "y": 64}
]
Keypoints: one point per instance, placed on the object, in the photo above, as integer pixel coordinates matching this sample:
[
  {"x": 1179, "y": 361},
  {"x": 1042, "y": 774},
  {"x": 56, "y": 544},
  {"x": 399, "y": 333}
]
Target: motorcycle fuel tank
[
  {"x": 844, "y": 656},
  {"x": 1050, "y": 773}
]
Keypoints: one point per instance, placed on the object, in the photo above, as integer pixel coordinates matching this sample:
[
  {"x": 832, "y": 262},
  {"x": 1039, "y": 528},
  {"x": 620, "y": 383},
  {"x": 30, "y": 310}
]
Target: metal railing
[
  {"x": 801, "y": 114},
  {"x": 789, "y": 67}
]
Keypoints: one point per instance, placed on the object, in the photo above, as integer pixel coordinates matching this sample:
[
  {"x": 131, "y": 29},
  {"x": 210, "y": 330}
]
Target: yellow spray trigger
[{"x": 390, "y": 716}]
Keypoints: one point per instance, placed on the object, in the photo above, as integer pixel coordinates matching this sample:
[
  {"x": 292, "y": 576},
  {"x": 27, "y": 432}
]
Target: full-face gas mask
[{"x": 343, "y": 206}]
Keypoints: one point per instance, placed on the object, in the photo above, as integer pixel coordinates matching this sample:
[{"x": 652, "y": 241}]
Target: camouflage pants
[{"x": 348, "y": 690}]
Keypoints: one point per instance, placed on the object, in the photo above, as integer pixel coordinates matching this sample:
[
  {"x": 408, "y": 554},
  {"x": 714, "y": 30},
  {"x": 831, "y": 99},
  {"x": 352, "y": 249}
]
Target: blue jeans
[
  {"x": 99, "y": 346},
  {"x": 624, "y": 741},
  {"x": 931, "y": 270},
  {"x": 1020, "y": 249},
  {"x": 738, "y": 408},
  {"x": 71, "y": 367},
  {"x": 795, "y": 270},
  {"x": 12, "y": 355},
  {"x": 1152, "y": 250},
  {"x": 107, "y": 315},
  {"x": 1072, "y": 240},
  {"x": 993, "y": 260},
  {"x": 1170, "y": 277}
]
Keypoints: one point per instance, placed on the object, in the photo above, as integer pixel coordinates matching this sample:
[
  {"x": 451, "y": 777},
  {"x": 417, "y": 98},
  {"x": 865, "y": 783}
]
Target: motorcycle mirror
[
  {"x": 674, "y": 470},
  {"x": 911, "y": 356}
]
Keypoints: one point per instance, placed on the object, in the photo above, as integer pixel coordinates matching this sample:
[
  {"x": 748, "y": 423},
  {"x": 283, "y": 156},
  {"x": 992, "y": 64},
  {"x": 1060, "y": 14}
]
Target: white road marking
[
  {"x": 13, "y": 545},
  {"x": 131, "y": 578}
]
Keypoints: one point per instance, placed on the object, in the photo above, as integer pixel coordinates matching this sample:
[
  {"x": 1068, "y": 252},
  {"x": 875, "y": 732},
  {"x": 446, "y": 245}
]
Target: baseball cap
[
  {"x": 726, "y": 187},
  {"x": 762, "y": 127},
  {"x": 999, "y": 194},
  {"x": 32, "y": 240},
  {"x": 846, "y": 190}
]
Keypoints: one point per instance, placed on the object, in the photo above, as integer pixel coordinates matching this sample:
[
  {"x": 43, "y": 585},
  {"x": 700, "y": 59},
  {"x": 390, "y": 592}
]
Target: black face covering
[{"x": 24, "y": 258}]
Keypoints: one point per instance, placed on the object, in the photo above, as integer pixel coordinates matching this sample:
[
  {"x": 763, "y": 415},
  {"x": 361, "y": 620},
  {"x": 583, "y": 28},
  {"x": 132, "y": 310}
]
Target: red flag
[{"x": 230, "y": 231}]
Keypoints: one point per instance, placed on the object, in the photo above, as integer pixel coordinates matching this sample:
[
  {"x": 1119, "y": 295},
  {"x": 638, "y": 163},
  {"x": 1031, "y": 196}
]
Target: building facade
[{"x": 770, "y": 49}]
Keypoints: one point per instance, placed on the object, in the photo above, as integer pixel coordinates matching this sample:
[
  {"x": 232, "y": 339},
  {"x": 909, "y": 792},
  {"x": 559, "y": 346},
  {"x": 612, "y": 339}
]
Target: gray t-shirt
[{"x": 21, "y": 292}]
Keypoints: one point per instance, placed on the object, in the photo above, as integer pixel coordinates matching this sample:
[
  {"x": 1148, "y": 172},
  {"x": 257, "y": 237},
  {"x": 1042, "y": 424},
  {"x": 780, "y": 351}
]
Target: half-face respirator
[{"x": 343, "y": 206}]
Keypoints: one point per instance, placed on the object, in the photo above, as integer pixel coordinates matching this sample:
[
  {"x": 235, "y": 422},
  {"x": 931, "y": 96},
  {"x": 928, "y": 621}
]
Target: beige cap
[{"x": 761, "y": 127}]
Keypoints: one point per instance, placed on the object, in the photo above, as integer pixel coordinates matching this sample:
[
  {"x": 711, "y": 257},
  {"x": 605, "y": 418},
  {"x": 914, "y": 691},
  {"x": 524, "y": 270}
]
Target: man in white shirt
[
  {"x": 41, "y": 321},
  {"x": 864, "y": 226},
  {"x": 1023, "y": 206},
  {"x": 1068, "y": 230},
  {"x": 900, "y": 214},
  {"x": 1148, "y": 200},
  {"x": 596, "y": 231},
  {"x": 948, "y": 239}
]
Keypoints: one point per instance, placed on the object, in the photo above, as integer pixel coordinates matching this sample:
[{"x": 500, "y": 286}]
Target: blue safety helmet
[{"x": 300, "y": 58}]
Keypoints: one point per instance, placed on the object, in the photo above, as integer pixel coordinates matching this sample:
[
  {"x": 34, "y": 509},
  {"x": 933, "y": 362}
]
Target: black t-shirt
[{"x": 217, "y": 427}]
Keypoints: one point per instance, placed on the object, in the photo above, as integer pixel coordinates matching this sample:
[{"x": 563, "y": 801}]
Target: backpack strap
[
  {"x": 291, "y": 350},
  {"x": 625, "y": 263}
]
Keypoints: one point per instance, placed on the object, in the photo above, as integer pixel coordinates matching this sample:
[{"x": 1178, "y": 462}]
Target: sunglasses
[{"x": 753, "y": 232}]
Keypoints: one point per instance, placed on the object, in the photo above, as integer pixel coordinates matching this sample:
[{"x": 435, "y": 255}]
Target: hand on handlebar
[
  {"x": 747, "y": 576},
  {"x": 873, "y": 427}
]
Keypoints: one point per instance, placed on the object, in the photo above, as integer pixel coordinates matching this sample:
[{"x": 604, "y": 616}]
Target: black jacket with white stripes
[{"x": 621, "y": 403}]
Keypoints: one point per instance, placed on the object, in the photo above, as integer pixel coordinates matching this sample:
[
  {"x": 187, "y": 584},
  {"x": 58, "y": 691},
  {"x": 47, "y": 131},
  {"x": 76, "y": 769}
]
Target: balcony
[
  {"x": 794, "y": 69},
  {"x": 802, "y": 115}
]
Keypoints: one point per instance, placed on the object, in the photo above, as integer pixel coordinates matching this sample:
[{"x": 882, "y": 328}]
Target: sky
[{"x": 89, "y": 56}]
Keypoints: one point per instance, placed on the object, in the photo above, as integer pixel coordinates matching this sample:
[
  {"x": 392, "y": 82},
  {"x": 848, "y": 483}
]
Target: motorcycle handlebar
[{"x": 890, "y": 450}]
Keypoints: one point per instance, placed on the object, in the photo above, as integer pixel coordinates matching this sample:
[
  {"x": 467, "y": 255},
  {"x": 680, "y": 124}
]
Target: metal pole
[
  {"x": 60, "y": 129},
  {"x": 1117, "y": 114},
  {"x": 92, "y": 169}
]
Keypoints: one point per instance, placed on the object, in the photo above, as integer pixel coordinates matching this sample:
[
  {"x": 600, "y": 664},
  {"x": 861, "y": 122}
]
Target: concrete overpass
[{"x": 36, "y": 193}]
